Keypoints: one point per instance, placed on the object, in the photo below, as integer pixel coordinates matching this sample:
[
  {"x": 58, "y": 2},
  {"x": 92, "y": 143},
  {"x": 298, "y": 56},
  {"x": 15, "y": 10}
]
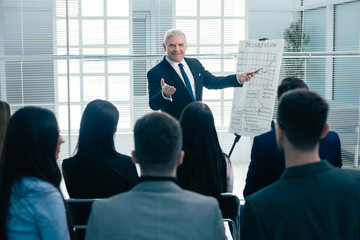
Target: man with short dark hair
[
  {"x": 156, "y": 208},
  {"x": 267, "y": 162},
  {"x": 312, "y": 199}
]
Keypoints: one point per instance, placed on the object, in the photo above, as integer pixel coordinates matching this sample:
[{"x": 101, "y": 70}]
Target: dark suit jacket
[
  {"x": 99, "y": 178},
  {"x": 312, "y": 201},
  {"x": 181, "y": 97},
  {"x": 267, "y": 163}
]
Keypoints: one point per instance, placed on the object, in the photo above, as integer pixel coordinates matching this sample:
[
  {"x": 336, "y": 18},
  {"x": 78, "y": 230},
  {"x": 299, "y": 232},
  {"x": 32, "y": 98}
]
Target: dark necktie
[{"x": 187, "y": 82}]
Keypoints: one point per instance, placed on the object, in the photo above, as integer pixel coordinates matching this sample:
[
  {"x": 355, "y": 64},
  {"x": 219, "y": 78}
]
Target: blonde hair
[{"x": 173, "y": 32}]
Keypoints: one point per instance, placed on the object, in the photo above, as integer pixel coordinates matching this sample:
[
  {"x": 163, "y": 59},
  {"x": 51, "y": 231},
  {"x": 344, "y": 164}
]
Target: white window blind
[
  {"x": 61, "y": 54},
  {"x": 213, "y": 29},
  {"x": 324, "y": 52}
]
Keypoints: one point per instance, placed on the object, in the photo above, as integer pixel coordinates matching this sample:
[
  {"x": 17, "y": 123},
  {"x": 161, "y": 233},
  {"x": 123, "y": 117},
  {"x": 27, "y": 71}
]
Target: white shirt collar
[{"x": 175, "y": 64}]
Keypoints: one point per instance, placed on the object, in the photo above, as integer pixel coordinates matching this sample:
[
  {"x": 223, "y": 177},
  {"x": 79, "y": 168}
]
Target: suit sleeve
[
  {"x": 156, "y": 100},
  {"x": 211, "y": 81},
  {"x": 51, "y": 216},
  {"x": 255, "y": 174},
  {"x": 251, "y": 227}
]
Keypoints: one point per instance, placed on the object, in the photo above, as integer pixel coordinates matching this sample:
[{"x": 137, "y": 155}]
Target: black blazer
[
  {"x": 181, "y": 97},
  {"x": 311, "y": 201},
  {"x": 99, "y": 178},
  {"x": 267, "y": 163}
]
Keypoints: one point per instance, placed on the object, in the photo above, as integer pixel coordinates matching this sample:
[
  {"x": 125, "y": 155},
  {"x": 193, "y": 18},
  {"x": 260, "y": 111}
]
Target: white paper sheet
[{"x": 253, "y": 104}]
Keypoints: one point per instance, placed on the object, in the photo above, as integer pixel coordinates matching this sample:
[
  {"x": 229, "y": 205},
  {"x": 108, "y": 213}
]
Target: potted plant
[{"x": 295, "y": 41}]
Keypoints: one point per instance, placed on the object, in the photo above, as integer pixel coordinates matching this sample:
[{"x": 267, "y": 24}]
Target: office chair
[
  {"x": 230, "y": 208},
  {"x": 80, "y": 211}
]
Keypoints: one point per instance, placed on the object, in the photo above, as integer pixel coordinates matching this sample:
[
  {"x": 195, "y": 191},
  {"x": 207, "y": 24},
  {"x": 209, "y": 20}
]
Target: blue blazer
[
  {"x": 181, "y": 97},
  {"x": 267, "y": 163},
  {"x": 311, "y": 201}
]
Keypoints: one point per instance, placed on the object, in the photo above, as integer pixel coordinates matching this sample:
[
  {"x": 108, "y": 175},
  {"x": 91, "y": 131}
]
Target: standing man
[
  {"x": 156, "y": 208},
  {"x": 177, "y": 81},
  {"x": 312, "y": 199}
]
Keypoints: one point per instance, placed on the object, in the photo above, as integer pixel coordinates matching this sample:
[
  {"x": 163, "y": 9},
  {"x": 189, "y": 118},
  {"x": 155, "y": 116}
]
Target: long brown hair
[
  {"x": 29, "y": 150},
  {"x": 204, "y": 167},
  {"x": 5, "y": 113}
]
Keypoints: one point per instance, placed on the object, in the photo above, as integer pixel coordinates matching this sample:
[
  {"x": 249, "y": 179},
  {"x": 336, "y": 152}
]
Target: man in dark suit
[
  {"x": 157, "y": 208},
  {"x": 172, "y": 86},
  {"x": 267, "y": 162},
  {"x": 312, "y": 199}
]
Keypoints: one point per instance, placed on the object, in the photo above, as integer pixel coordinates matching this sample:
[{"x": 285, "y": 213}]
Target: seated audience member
[
  {"x": 267, "y": 162},
  {"x": 97, "y": 170},
  {"x": 205, "y": 169},
  {"x": 156, "y": 208},
  {"x": 5, "y": 113},
  {"x": 312, "y": 199},
  {"x": 31, "y": 206}
]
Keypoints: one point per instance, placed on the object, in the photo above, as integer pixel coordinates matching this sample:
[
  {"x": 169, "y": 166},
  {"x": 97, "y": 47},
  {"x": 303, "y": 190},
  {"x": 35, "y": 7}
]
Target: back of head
[
  {"x": 290, "y": 83},
  {"x": 302, "y": 115},
  {"x": 30, "y": 145},
  {"x": 204, "y": 166},
  {"x": 197, "y": 121},
  {"x": 173, "y": 32},
  {"x": 97, "y": 128},
  {"x": 29, "y": 151},
  {"x": 158, "y": 142}
]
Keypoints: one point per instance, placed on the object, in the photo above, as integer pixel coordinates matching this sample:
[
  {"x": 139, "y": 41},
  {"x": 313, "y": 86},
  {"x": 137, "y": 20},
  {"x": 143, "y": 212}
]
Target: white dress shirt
[{"x": 187, "y": 70}]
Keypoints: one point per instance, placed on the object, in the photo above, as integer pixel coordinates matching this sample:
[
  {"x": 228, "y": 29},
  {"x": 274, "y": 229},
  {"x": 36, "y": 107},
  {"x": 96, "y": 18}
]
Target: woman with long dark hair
[
  {"x": 205, "y": 169},
  {"x": 97, "y": 170},
  {"x": 5, "y": 113},
  {"x": 31, "y": 205}
]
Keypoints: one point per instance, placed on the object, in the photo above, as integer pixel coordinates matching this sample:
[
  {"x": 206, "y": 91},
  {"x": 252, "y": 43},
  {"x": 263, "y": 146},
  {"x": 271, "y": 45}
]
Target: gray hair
[{"x": 173, "y": 32}]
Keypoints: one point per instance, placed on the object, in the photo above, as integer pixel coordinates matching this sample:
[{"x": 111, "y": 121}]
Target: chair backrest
[
  {"x": 80, "y": 211},
  {"x": 230, "y": 208}
]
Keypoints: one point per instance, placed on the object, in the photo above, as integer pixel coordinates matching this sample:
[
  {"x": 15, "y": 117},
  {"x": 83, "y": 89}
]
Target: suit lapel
[{"x": 180, "y": 86}]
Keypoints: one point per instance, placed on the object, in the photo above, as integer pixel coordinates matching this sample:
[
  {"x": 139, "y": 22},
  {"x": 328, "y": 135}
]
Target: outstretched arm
[
  {"x": 245, "y": 76},
  {"x": 211, "y": 81}
]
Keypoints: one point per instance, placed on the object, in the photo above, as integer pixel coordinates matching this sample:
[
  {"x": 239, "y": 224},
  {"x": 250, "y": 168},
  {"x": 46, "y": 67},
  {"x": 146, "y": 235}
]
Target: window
[
  {"x": 213, "y": 30},
  {"x": 90, "y": 35},
  {"x": 328, "y": 62},
  {"x": 61, "y": 54}
]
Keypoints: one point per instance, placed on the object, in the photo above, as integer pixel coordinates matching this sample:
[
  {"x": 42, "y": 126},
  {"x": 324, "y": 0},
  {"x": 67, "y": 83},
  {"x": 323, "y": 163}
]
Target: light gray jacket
[{"x": 156, "y": 210}]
